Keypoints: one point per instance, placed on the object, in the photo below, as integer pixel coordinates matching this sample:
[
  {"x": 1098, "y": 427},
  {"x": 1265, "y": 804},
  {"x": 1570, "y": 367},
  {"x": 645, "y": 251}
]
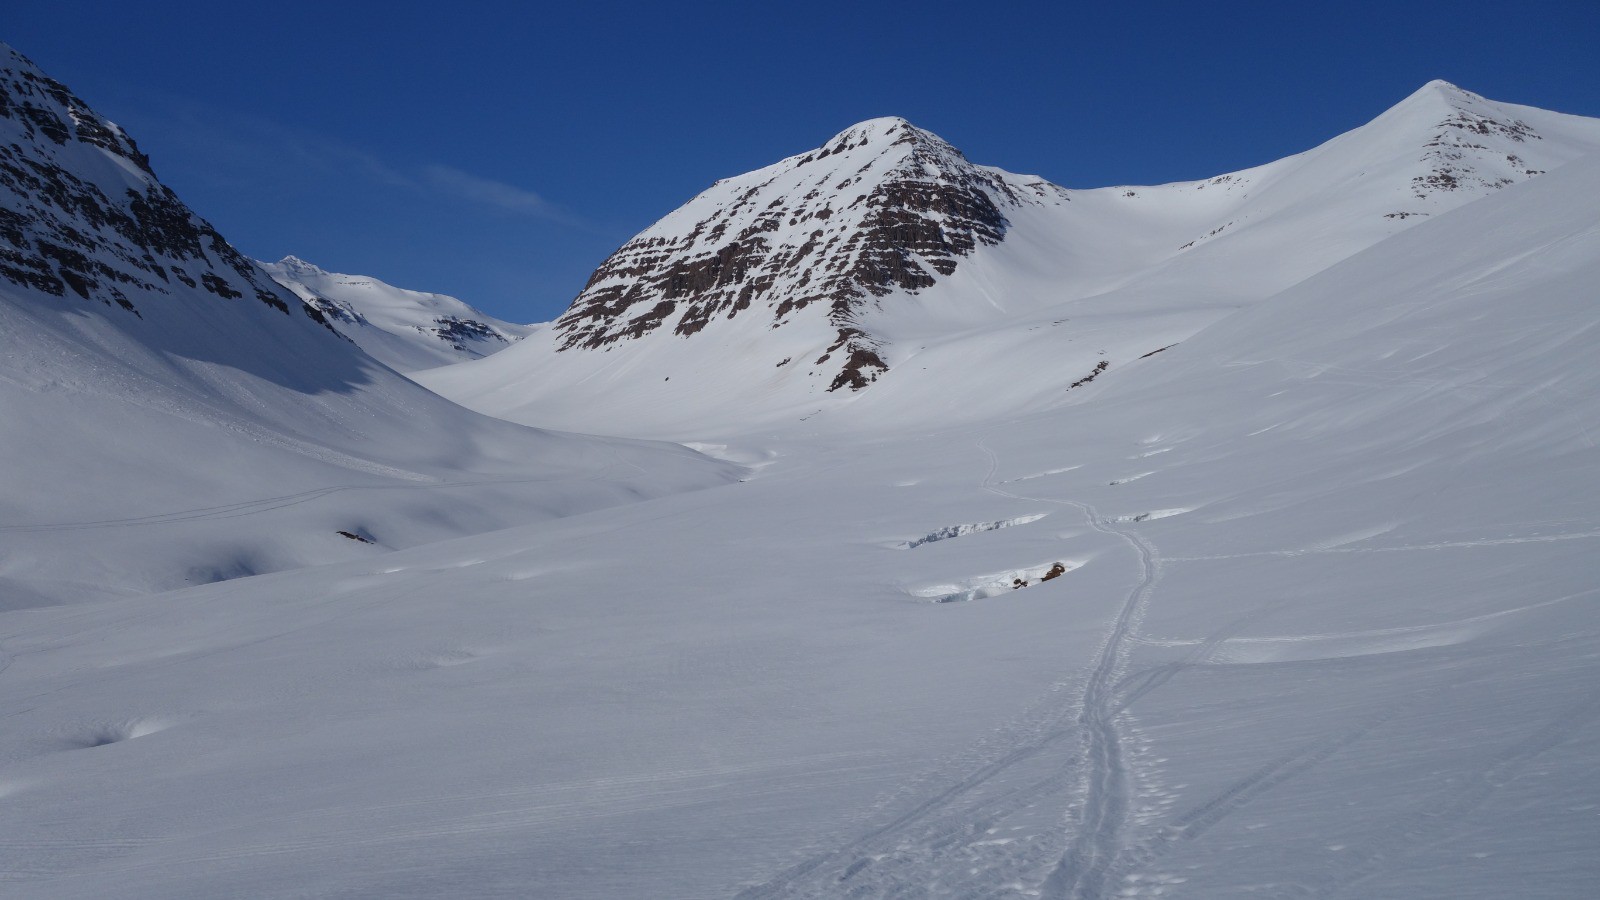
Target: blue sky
[{"x": 500, "y": 151}]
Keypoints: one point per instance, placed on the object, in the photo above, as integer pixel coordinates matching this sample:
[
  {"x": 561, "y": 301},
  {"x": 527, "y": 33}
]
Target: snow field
[{"x": 1336, "y": 639}]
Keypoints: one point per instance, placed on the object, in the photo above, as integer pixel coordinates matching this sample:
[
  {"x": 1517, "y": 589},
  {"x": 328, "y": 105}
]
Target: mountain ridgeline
[
  {"x": 83, "y": 215},
  {"x": 877, "y": 270}
]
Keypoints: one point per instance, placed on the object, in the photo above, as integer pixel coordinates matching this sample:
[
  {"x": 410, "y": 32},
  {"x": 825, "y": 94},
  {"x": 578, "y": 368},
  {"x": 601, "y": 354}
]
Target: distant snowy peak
[
  {"x": 1438, "y": 149},
  {"x": 83, "y": 216},
  {"x": 406, "y": 330},
  {"x": 883, "y": 206}
]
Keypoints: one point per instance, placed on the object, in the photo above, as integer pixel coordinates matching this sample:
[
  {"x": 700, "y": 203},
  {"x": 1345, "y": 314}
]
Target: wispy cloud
[
  {"x": 255, "y": 143},
  {"x": 468, "y": 186}
]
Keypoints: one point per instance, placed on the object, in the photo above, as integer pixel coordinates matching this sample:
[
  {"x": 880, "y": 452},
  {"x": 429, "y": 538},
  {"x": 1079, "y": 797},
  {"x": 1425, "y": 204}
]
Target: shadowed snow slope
[
  {"x": 406, "y": 330},
  {"x": 1326, "y": 628},
  {"x": 171, "y": 416},
  {"x": 888, "y": 255}
]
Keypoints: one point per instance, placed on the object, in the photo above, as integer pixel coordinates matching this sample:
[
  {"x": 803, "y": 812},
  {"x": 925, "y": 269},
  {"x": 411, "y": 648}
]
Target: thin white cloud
[
  {"x": 477, "y": 189},
  {"x": 256, "y": 142}
]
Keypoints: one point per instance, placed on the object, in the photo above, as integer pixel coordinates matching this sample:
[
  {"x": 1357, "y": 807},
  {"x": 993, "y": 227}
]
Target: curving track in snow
[
  {"x": 1085, "y": 870},
  {"x": 961, "y": 832}
]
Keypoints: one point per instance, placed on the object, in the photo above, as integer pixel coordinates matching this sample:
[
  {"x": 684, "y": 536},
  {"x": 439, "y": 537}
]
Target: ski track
[
  {"x": 895, "y": 858},
  {"x": 949, "y": 842},
  {"x": 1085, "y": 871},
  {"x": 1150, "y": 679},
  {"x": 946, "y": 843}
]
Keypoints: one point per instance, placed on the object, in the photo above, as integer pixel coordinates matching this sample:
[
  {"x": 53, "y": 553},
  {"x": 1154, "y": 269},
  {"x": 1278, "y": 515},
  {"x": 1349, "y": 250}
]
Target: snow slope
[
  {"x": 173, "y": 417},
  {"x": 887, "y": 240},
  {"x": 405, "y": 330},
  {"x": 1327, "y": 629}
]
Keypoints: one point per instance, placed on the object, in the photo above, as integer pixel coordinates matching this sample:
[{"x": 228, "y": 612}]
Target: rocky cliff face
[
  {"x": 83, "y": 215},
  {"x": 882, "y": 207}
]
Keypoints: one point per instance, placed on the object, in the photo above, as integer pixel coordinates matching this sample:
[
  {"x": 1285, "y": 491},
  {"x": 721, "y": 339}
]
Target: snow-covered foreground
[
  {"x": 1326, "y": 628},
  {"x": 151, "y": 458}
]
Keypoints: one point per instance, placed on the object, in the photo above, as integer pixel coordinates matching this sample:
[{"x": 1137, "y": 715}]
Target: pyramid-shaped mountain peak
[
  {"x": 1438, "y": 96},
  {"x": 812, "y": 241},
  {"x": 883, "y": 134}
]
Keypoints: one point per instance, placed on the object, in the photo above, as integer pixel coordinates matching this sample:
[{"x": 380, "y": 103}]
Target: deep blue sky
[{"x": 499, "y": 151}]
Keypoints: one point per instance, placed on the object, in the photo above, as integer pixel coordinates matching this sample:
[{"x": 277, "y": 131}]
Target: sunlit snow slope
[
  {"x": 171, "y": 416},
  {"x": 1326, "y": 628},
  {"x": 877, "y": 273},
  {"x": 406, "y": 330}
]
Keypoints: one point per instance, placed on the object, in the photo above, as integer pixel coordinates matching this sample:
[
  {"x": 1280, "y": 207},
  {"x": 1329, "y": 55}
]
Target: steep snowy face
[
  {"x": 883, "y": 206},
  {"x": 82, "y": 214},
  {"x": 407, "y": 330}
]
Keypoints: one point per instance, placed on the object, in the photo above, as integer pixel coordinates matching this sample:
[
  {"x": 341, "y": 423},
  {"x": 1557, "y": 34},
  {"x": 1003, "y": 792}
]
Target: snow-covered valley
[{"x": 1319, "y": 621}]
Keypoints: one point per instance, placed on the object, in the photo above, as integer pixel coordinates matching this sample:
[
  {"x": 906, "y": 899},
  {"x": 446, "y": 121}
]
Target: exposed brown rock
[{"x": 924, "y": 209}]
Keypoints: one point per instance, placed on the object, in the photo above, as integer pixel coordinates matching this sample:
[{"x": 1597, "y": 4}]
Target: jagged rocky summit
[{"x": 82, "y": 214}]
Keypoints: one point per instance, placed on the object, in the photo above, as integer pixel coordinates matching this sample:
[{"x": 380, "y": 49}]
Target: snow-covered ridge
[
  {"x": 405, "y": 329},
  {"x": 885, "y": 262}
]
